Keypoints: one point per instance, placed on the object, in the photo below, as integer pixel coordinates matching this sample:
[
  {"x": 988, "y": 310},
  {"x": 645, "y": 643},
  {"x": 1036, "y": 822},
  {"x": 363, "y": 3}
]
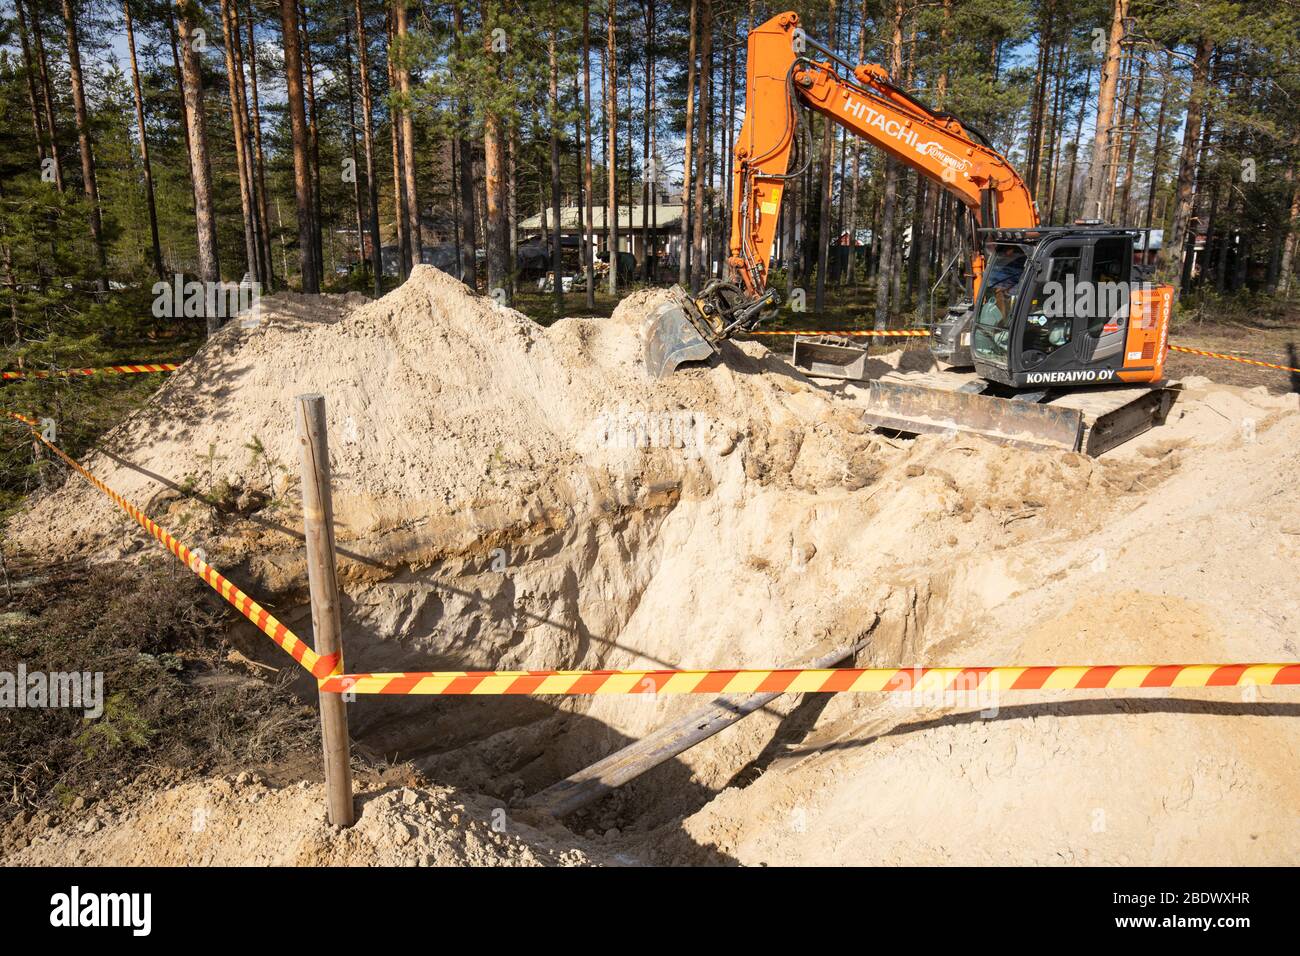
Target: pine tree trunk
[
  {"x": 302, "y": 179},
  {"x": 29, "y": 71},
  {"x": 1116, "y": 140},
  {"x": 1157, "y": 149},
  {"x": 654, "y": 152},
  {"x": 313, "y": 142},
  {"x": 200, "y": 170},
  {"x": 89, "y": 184},
  {"x": 1126, "y": 194},
  {"x": 587, "y": 257},
  {"x": 494, "y": 161},
  {"x": 47, "y": 97},
  {"x": 246, "y": 201},
  {"x": 557, "y": 250},
  {"x": 1171, "y": 254},
  {"x": 352, "y": 144},
  {"x": 368, "y": 146},
  {"x": 261, "y": 226},
  {"x": 684, "y": 258},
  {"x": 413, "y": 227},
  {"x": 1054, "y": 133},
  {"x": 629, "y": 177},
  {"x": 144, "y": 140},
  {"x": 886, "y": 261},
  {"x": 702, "y": 161},
  {"x": 259, "y": 157},
  {"x": 468, "y": 233},
  {"x": 1286, "y": 269},
  {"x": 727, "y": 182},
  {"x": 498, "y": 240},
  {"x": 1095, "y": 188},
  {"x": 851, "y": 274},
  {"x": 399, "y": 180},
  {"x": 1074, "y": 148},
  {"x": 647, "y": 118},
  {"x": 611, "y": 156},
  {"x": 511, "y": 192},
  {"x": 1034, "y": 136},
  {"x": 824, "y": 215}
]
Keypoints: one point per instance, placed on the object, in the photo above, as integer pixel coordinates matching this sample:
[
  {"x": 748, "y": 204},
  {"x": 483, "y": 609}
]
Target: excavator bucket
[
  {"x": 916, "y": 409},
  {"x": 827, "y": 360},
  {"x": 674, "y": 333}
]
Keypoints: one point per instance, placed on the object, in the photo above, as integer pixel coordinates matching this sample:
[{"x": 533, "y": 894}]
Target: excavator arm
[{"x": 789, "y": 71}]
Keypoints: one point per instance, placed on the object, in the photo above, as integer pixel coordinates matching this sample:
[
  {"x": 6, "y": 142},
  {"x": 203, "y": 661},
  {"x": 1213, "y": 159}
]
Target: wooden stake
[{"x": 318, "y": 526}]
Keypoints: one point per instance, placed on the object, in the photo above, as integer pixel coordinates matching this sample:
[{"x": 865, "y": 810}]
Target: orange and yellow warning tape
[
  {"x": 1232, "y": 358},
  {"x": 319, "y": 666},
  {"x": 817, "y": 681},
  {"x": 871, "y": 333},
  {"x": 111, "y": 369},
  {"x": 866, "y": 333}
]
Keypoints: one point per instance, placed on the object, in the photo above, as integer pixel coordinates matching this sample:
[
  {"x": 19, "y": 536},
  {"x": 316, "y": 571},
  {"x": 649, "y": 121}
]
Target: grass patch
[{"x": 170, "y": 698}]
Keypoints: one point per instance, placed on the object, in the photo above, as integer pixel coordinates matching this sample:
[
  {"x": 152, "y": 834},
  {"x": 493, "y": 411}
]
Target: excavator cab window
[
  {"x": 1050, "y": 317},
  {"x": 1003, "y": 277},
  {"x": 1112, "y": 265}
]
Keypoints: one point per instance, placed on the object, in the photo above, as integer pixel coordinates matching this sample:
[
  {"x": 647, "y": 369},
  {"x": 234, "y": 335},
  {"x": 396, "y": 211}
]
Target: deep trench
[{"x": 561, "y": 599}]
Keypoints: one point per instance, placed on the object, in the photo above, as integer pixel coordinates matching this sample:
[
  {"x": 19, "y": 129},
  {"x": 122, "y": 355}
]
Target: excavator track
[
  {"x": 1113, "y": 416},
  {"x": 1090, "y": 421}
]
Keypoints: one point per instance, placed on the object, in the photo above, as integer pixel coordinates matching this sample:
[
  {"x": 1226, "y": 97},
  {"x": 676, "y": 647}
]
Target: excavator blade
[
  {"x": 675, "y": 333},
  {"x": 916, "y": 409}
]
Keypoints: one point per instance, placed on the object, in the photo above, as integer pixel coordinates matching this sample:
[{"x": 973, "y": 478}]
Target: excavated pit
[{"x": 508, "y": 496}]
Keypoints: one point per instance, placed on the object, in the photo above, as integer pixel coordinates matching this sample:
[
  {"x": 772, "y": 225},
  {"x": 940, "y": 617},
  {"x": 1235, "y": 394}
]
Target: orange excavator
[{"x": 1055, "y": 308}]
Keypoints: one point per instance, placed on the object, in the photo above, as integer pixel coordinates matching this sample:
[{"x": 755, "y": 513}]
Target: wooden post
[{"x": 318, "y": 526}]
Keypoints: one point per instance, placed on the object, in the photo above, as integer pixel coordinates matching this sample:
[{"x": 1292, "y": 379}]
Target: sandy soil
[
  {"x": 241, "y": 821},
  {"x": 512, "y": 496}
]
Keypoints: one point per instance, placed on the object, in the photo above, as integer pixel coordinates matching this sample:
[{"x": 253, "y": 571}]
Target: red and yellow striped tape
[
  {"x": 867, "y": 333},
  {"x": 319, "y": 666},
  {"x": 1232, "y": 358},
  {"x": 118, "y": 369},
  {"x": 817, "y": 681}
]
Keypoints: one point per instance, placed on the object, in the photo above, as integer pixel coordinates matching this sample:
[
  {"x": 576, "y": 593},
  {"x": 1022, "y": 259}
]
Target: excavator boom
[{"x": 786, "y": 74}]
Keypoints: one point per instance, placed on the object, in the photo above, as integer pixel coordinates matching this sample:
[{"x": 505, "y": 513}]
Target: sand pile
[
  {"x": 513, "y": 496},
  {"x": 243, "y": 822},
  {"x": 1198, "y": 569}
]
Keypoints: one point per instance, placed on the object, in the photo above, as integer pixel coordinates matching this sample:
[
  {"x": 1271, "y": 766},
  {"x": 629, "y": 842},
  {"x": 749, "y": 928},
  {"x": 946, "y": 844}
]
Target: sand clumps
[{"x": 241, "y": 821}]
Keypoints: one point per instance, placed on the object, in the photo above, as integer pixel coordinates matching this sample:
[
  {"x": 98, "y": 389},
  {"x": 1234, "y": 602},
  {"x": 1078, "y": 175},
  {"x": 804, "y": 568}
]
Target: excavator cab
[{"x": 1059, "y": 307}]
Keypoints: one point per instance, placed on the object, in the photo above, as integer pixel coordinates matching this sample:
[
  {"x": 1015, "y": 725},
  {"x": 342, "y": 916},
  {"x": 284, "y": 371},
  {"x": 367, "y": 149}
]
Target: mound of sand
[
  {"x": 513, "y": 496},
  {"x": 243, "y": 822}
]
